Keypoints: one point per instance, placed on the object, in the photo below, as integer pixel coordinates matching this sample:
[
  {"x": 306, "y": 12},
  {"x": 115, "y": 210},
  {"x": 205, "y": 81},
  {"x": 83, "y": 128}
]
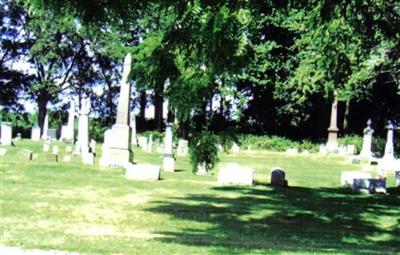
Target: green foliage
[
  {"x": 227, "y": 138},
  {"x": 157, "y": 136},
  {"x": 275, "y": 143},
  {"x": 20, "y": 120},
  {"x": 96, "y": 129},
  {"x": 203, "y": 150}
]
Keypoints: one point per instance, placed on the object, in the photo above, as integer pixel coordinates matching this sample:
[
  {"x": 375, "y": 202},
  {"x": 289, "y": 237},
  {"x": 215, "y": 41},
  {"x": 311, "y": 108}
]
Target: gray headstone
[
  {"x": 278, "y": 177},
  {"x": 397, "y": 175},
  {"x": 52, "y": 133}
]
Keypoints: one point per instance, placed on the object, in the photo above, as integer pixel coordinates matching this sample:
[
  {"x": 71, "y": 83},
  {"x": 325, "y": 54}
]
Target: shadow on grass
[{"x": 294, "y": 219}]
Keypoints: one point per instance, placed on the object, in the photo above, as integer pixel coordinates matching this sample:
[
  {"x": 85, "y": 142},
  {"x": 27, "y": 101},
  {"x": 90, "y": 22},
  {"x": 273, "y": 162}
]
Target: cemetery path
[{"x": 20, "y": 251}]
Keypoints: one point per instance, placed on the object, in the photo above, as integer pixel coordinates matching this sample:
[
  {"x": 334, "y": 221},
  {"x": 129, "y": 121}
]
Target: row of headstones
[
  {"x": 147, "y": 145},
  {"x": 362, "y": 181}
]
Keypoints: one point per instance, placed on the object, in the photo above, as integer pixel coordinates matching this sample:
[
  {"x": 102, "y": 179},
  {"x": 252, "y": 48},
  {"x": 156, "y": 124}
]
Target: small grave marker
[
  {"x": 52, "y": 158},
  {"x": 278, "y": 177},
  {"x": 142, "y": 172}
]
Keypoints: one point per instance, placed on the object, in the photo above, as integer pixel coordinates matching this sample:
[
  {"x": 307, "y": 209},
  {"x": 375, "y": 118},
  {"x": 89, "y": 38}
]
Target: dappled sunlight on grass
[{"x": 88, "y": 209}]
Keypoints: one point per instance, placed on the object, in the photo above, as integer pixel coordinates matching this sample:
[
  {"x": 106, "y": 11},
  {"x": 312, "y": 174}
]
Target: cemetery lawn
[{"x": 93, "y": 210}]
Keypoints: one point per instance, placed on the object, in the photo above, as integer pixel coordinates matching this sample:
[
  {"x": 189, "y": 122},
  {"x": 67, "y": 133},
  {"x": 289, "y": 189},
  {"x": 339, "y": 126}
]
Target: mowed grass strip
[{"x": 93, "y": 210}]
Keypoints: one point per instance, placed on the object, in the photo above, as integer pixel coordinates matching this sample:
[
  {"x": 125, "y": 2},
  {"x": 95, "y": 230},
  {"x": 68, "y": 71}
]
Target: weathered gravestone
[
  {"x": 168, "y": 156},
  {"x": 52, "y": 133},
  {"x": 278, "y": 177},
  {"x": 397, "y": 175},
  {"x": 183, "y": 146},
  {"x": 35, "y": 134},
  {"x": 52, "y": 158},
  {"x": 142, "y": 172},
  {"x": 6, "y": 133},
  {"x": 234, "y": 174},
  {"x": 118, "y": 148}
]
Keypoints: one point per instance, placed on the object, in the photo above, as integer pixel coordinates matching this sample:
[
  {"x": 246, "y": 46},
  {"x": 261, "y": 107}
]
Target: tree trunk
[
  {"x": 111, "y": 104},
  {"x": 183, "y": 128},
  {"x": 158, "y": 108},
  {"x": 346, "y": 116},
  {"x": 42, "y": 105},
  {"x": 142, "y": 113}
]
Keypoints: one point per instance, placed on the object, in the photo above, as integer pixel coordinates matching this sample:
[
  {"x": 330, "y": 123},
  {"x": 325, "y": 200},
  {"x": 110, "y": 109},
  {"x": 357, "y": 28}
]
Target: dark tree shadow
[{"x": 294, "y": 219}]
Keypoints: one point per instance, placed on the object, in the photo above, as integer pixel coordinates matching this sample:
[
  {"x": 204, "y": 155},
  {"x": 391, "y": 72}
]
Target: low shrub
[{"x": 203, "y": 150}]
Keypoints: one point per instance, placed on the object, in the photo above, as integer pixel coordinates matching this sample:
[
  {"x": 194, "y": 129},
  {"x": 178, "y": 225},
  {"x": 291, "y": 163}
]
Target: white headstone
[
  {"x": 46, "y": 147},
  {"x": 67, "y": 158},
  {"x": 236, "y": 175},
  {"x": 292, "y": 151},
  {"x": 182, "y": 147},
  {"x": 3, "y": 151},
  {"x": 35, "y": 134},
  {"x": 149, "y": 144},
  {"x": 55, "y": 149},
  {"x": 6, "y": 133},
  {"x": 168, "y": 156},
  {"x": 82, "y": 144},
  {"x": 235, "y": 148},
  {"x": 88, "y": 158},
  {"x": 93, "y": 146},
  {"x": 367, "y": 141},
  {"x": 45, "y": 127},
  {"x": 142, "y": 172},
  {"x": 389, "y": 148},
  {"x": 142, "y": 142}
]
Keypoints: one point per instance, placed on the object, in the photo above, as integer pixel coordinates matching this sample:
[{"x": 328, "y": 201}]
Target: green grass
[{"x": 93, "y": 210}]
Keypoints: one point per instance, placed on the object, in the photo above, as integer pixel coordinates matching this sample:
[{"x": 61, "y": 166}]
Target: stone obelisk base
[
  {"x": 117, "y": 147},
  {"x": 332, "y": 144}
]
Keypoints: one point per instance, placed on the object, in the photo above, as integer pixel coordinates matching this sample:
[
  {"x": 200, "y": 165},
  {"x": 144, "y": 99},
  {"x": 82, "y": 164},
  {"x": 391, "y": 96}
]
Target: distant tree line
[{"x": 260, "y": 67}]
